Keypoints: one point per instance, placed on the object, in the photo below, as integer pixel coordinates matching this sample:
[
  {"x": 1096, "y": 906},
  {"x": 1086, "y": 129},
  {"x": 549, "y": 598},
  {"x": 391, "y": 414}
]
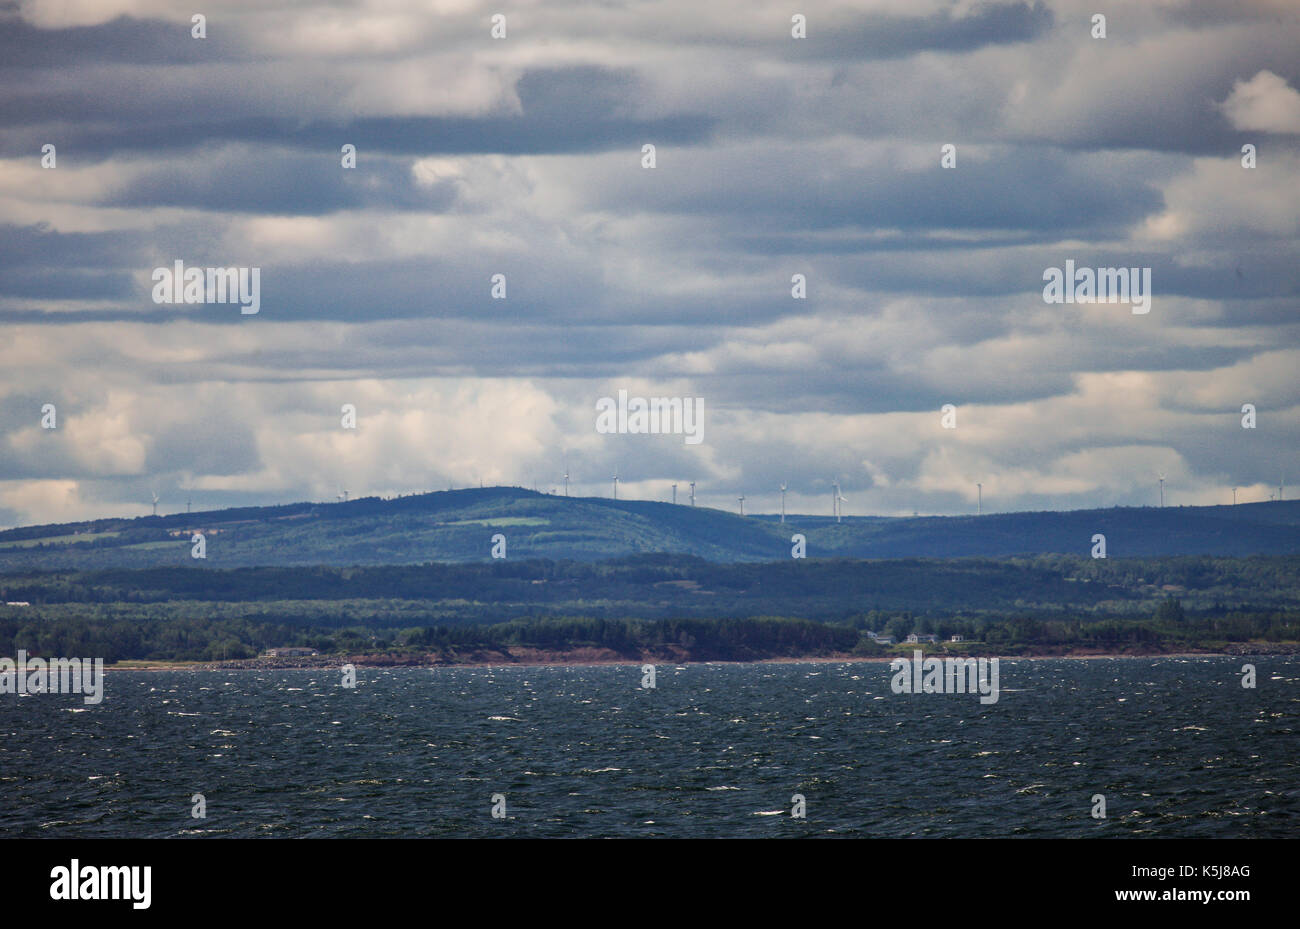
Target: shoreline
[{"x": 535, "y": 659}]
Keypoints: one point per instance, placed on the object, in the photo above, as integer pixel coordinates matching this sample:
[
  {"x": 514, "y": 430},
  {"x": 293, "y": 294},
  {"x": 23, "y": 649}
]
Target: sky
[{"x": 523, "y": 156}]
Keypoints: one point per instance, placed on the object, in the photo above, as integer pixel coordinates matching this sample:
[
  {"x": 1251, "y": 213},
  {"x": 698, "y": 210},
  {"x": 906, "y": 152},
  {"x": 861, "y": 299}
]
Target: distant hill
[{"x": 458, "y": 525}]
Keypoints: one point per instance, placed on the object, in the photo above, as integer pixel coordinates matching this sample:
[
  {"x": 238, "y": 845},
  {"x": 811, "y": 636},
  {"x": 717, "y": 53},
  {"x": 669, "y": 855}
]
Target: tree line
[{"x": 189, "y": 632}]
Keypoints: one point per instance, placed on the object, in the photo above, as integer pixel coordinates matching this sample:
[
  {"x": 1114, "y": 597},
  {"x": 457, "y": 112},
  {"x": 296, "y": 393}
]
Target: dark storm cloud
[
  {"x": 120, "y": 41},
  {"x": 219, "y": 444},
  {"x": 1020, "y": 272},
  {"x": 246, "y": 179},
  {"x": 437, "y": 287},
  {"x": 564, "y": 110},
  {"x": 1160, "y": 99},
  {"x": 1203, "y": 13},
  {"x": 887, "y": 36},
  {"x": 40, "y": 246},
  {"x": 66, "y": 284},
  {"x": 1233, "y": 311},
  {"x": 1044, "y": 190}
]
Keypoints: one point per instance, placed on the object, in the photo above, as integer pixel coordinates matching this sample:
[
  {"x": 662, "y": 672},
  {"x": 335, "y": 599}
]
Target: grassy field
[{"x": 63, "y": 539}]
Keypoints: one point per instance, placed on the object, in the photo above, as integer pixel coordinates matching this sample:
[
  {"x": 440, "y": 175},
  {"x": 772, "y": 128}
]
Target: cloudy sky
[{"x": 522, "y": 156}]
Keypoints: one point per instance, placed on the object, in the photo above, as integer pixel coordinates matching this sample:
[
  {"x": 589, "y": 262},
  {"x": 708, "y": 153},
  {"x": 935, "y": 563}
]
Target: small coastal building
[
  {"x": 883, "y": 639},
  {"x": 17, "y": 603},
  {"x": 290, "y": 652},
  {"x": 959, "y": 638},
  {"x": 915, "y": 639}
]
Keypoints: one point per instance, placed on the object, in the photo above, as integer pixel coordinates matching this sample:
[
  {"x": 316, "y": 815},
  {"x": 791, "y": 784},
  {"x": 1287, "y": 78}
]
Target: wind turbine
[
  {"x": 674, "y": 493},
  {"x": 979, "y": 505},
  {"x": 783, "y": 503},
  {"x": 155, "y": 502},
  {"x": 566, "y": 481},
  {"x": 1162, "y": 489},
  {"x": 692, "y": 493},
  {"x": 188, "y": 501},
  {"x": 1234, "y": 496},
  {"x": 741, "y": 498},
  {"x": 835, "y": 500},
  {"x": 841, "y": 500},
  {"x": 615, "y": 485}
]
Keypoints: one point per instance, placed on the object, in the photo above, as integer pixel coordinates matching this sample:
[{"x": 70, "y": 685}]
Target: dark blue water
[{"x": 1177, "y": 747}]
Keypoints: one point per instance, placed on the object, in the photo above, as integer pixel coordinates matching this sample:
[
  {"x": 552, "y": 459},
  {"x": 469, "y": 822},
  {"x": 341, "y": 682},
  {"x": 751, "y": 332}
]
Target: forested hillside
[
  {"x": 1045, "y": 601},
  {"x": 458, "y": 526}
]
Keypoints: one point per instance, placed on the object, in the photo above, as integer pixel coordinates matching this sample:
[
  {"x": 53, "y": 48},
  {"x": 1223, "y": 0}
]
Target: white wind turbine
[
  {"x": 155, "y": 501},
  {"x": 835, "y": 500},
  {"x": 615, "y": 485},
  {"x": 741, "y": 498},
  {"x": 692, "y": 493},
  {"x": 1162, "y": 488},
  {"x": 782, "y": 502},
  {"x": 674, "y": 493},
  {"x": 841, "y": 500}
]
